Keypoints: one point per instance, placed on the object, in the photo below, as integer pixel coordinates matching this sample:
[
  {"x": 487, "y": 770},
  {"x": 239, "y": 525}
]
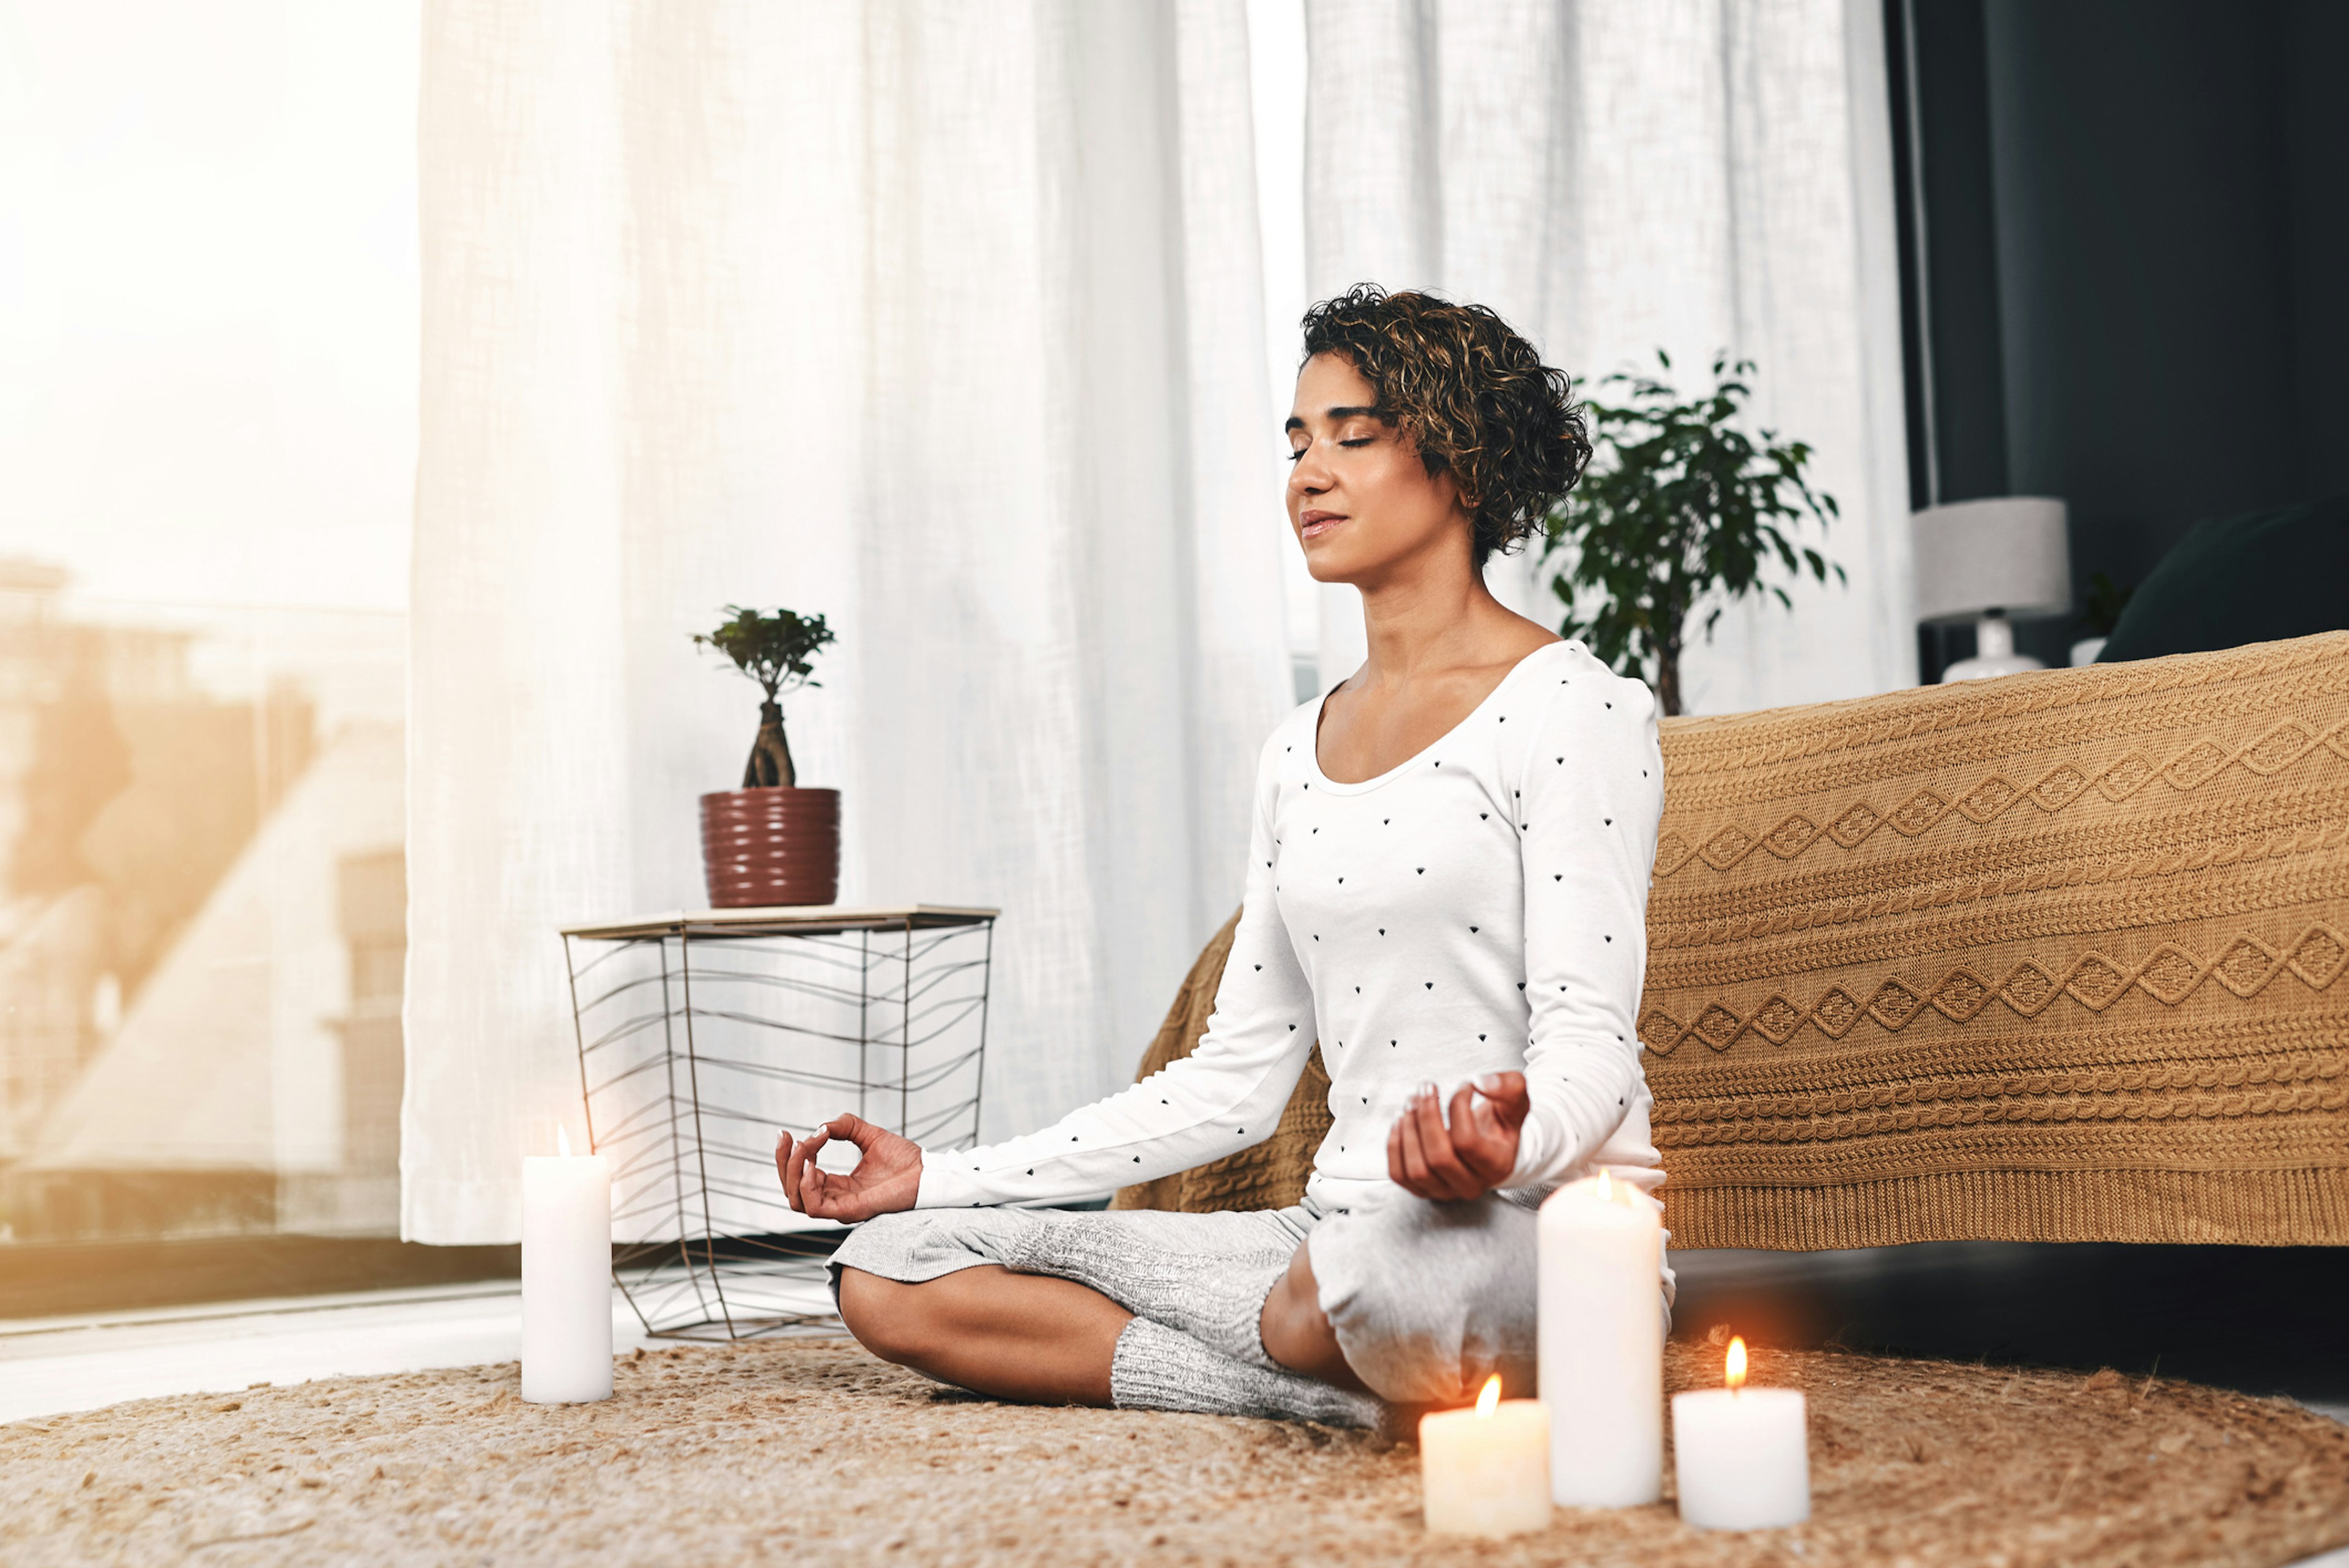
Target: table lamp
[{"x": 1985, "y": 561}]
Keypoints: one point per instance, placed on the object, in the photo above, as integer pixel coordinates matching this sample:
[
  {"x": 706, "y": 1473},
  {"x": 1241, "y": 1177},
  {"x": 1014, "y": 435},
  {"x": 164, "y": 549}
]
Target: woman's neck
[{"x": 1438, "y": 619}]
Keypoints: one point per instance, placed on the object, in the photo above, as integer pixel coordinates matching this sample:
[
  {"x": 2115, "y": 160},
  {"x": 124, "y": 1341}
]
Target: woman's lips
[{"x": 1313, "y": 524}]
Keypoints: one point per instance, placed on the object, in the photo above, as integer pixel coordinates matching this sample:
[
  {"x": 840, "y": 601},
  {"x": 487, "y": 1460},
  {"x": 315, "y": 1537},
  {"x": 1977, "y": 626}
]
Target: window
[{"x": 208, "y": 327}]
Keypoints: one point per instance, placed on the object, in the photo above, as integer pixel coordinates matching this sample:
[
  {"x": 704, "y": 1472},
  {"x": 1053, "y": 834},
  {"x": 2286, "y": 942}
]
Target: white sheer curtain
[
  {"x": 941, "y": 319},
  {"x": 1614, "y": 176}
]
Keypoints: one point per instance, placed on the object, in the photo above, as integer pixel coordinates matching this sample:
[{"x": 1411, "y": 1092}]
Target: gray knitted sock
[
  {"x": 1216, "y": 1300},
  {"x": 1160, "y": 1368}
]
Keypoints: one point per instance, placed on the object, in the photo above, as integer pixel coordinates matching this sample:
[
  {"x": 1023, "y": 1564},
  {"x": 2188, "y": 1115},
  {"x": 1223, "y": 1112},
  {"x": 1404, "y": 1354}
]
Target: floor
[
  {"x": 50, "y": 1365},
  {"x": 2264, "y": 1321},
  {"x": 764, "y": 1453}
]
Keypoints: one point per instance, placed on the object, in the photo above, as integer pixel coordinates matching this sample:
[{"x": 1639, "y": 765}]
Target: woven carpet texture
[
  {"x": 771, "y": 1451},
  {"x": 2056, "y": 957}
]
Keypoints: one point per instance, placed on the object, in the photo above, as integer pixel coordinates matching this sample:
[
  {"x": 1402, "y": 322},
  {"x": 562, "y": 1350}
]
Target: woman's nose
[{"x": 1307, "y": 475}]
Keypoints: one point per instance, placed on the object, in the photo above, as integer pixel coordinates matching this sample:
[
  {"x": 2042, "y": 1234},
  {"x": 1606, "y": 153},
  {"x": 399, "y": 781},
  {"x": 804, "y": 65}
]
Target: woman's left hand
[{"x": 1471, "y": 1152}]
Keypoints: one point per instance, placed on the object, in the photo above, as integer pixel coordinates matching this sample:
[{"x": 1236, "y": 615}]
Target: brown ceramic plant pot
[{"x": 761, "y": 847}]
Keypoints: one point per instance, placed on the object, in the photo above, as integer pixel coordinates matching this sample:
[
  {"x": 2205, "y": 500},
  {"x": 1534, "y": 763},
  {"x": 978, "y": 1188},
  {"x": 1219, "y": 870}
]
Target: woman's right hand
[{"x": 888, "y": 1177}]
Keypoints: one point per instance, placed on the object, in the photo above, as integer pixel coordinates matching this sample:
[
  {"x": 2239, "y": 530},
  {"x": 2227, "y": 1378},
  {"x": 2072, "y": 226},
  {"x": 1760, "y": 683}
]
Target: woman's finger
[
  {"x": 788, "y": 1161},
  {"x": 1512, "y": 1101},
  {"x": 1451, "y": 1178},
  {"x": 1467, "y": 1136},
  {"x": 1477, "y": 1139},
  {"x": 1415, "y": 1179},
  {"x": 802, "y": 1166}
]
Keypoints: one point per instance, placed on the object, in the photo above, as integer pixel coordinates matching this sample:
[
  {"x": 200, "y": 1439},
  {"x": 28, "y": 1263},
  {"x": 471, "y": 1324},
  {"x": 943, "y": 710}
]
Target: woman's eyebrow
[{"x": 1345, "y": 411}]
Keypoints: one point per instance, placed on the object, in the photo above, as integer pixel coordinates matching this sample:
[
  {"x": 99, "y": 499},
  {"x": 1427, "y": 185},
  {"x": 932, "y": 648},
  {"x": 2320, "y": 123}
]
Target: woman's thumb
[{"x": 1505, "y": 1090}]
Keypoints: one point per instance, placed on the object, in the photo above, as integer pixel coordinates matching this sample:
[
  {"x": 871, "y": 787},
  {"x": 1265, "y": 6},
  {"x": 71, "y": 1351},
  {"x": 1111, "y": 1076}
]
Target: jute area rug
[{"x": 813, "y": 1452}]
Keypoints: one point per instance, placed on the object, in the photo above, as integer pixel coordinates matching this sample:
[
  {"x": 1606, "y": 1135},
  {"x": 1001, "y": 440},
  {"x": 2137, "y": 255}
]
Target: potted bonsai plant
[
  {"x": 1680, "y": 509},
  {"x": 771, "y": 842}
]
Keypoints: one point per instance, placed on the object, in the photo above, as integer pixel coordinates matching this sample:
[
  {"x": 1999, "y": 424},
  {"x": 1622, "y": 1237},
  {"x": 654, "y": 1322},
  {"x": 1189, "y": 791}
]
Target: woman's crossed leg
[{"x": 1421, "y": 1301}]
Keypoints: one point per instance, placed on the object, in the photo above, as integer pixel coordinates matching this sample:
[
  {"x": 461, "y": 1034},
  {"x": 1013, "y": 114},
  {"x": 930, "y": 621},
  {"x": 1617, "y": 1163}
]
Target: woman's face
[{"x": 1360, "y": 497}]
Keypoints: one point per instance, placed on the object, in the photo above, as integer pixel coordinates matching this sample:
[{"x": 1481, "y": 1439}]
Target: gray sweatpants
[{"x": 1428, "y": 1300}]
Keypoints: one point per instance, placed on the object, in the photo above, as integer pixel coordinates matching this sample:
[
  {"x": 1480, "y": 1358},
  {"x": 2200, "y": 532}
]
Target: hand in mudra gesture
[
  {"x": 888, "y": 1177},
  {"x": 1468, "y": 1154}
]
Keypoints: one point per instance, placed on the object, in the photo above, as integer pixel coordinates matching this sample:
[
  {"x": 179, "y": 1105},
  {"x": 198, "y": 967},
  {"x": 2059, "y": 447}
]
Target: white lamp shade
[{"x": 2010, "y": 553}]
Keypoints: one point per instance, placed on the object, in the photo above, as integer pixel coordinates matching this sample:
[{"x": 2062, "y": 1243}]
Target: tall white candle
[
  {"x": 1601, "y": 1343},
  {"x": 1486, "y": 1472},
  {"x": 567, "y": 1277},
  {"x": 1741, "y": 1457}
]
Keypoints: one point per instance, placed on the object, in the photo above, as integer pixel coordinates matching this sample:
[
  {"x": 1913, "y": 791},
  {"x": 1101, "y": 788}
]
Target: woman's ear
[{"x": 1439, "y": 473}]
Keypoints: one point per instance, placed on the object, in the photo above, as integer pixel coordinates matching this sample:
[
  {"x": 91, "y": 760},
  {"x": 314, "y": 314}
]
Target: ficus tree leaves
[
  {"x": 1680, "y": 512},
  {"x": 773, "y": 649}
]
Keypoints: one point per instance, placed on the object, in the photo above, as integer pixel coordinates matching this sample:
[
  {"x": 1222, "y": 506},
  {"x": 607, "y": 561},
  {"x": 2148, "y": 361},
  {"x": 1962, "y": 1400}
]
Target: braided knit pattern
[{"x": 2058, "y": 957}]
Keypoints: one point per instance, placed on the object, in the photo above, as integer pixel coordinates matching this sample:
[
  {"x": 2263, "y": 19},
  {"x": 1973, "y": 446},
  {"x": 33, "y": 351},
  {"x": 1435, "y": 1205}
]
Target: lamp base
[
  {"x": 1984, "y": 668},
  {"x": 1994, "y": 636}
]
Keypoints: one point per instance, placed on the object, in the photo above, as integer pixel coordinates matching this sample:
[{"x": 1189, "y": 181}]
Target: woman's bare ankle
[
  {"x": 887, "y": 1317},
  {"x": 1297, "y": 1334},
  {"x": 1025, "y": 1337}
]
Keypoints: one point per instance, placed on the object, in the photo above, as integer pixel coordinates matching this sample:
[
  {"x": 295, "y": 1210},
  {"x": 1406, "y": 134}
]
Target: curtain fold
[
  {"x": 1618, "y": 176},
  {"x": 944, "y": 321}
]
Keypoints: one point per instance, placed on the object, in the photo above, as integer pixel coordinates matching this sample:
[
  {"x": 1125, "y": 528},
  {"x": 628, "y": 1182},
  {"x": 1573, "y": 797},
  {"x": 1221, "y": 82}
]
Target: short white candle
[
  {"x": 1486, "y": 1472},
  {"x": 1742, "y": 1456},
  {"x": 1602, "y": 1341},
  {"x": 567, "y": 1277}
]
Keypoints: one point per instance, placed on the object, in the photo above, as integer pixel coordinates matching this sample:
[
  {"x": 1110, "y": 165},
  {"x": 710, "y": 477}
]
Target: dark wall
[
  {"x": 1956, "y": 369},
  {"x": 2125, "y": 237},
  {"x": 2146, "y": 296},
  {"x": 2315, "y": 38}
]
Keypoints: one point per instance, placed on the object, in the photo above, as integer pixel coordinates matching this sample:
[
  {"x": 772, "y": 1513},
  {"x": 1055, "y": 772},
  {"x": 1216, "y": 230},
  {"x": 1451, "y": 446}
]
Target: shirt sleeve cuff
[
  {"x": 945, "y": 1187},
  {"x": 1538, "y": 1150}
]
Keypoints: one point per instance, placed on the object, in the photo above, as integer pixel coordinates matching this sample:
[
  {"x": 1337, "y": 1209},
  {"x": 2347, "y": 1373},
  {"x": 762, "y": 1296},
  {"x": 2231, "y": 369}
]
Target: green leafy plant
[
  {"x": 1680, "y": 509},
  {"x": 773, "y": 650}
]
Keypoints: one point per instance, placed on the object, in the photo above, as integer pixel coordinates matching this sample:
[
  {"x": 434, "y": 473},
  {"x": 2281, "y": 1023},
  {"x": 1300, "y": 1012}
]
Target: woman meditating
[{"x": 1446, "y": 888}]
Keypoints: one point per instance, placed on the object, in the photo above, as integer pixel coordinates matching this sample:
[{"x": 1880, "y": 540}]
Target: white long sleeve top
[{"x": 1479, "y": 907}]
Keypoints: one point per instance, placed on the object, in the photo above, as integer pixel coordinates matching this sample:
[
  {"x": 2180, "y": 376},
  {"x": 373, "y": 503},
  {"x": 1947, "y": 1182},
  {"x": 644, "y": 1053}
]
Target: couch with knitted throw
[{"x": 2058, "y": 957}]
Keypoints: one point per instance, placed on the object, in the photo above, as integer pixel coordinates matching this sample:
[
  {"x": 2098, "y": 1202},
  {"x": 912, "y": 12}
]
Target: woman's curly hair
[{"x": 1473, "y": 394}]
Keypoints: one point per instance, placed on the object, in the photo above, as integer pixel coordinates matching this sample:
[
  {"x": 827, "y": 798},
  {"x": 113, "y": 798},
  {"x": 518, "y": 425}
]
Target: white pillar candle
[
  {"x": 1740, "y": 1456},
  {"x": 567, "y": 1277},
  {"x": 1602, "y": 1344},
  {"x": 1486, "y": 1472}
]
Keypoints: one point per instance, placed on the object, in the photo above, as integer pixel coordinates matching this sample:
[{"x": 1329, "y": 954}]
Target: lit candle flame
[
  {"x": 1737, "y": 1365},
  {"x": 1606, "y": 1189},
  {"x": 562, "y": 1142},
  {"x": 1490, "y": 1398}
]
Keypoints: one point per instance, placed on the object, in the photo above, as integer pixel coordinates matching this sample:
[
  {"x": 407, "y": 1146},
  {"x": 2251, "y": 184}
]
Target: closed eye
[{"x": 1296, "y": 453}]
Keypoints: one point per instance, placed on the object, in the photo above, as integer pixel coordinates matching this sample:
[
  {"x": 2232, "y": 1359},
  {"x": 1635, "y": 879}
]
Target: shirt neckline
[{"x": 1313, "y": 737}]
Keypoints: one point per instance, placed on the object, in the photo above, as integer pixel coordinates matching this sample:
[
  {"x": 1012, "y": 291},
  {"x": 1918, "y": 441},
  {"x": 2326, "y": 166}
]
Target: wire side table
[{"x": 700, "y": 1033}]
